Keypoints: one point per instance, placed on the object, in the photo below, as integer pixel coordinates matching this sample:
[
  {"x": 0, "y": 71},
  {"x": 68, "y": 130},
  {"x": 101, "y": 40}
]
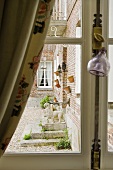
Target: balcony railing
[{"x": 58, "y": 16}]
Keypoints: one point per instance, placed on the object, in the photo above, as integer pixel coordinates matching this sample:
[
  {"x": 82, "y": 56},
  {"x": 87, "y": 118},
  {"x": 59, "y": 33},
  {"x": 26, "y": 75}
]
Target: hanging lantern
[
  {"x": 99, "y": 64},
  {"x": 59, "y": 68},
  {"x": 63, "y": 66}
]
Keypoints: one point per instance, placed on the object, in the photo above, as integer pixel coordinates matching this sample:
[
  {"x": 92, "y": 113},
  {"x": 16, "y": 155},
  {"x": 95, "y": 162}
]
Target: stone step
[
  {"x": 38, "y": 142},
  {"x": 54, "y": 126},
  {"x": 47, "y": 134},
  {"x": 39, "y": 132}
]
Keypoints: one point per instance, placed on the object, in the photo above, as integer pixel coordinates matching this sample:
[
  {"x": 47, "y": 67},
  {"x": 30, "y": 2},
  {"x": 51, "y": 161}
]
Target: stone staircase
[{"x": 44, "y": 134}]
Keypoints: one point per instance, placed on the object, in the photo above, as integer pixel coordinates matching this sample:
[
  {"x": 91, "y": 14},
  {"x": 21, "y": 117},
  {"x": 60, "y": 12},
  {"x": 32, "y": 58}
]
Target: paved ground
[{"x": 32, "y": 114}]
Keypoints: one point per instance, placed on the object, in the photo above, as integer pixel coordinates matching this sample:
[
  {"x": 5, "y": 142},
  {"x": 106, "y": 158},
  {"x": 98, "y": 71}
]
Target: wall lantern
[
  {"x": 59, "y": 69},
  {"x": 63, "y": 66}
]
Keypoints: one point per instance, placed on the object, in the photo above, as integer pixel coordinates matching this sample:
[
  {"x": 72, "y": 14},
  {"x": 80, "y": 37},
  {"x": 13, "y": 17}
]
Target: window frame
[
  {"x": 44, "y": 87},
  {"x": 106, "y": 157},
  {"x": 71, "y": 160}
]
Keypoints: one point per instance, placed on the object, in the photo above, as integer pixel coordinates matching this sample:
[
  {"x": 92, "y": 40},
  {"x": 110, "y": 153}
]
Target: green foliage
[
  {"x": 64, "y": 143},
  {"x": 66, "y": 134},
  {"x": 44, "y": 100},
  {"x": 45, "y": 138},
  {"x": 27, "y": 136},
  {"x": 44, "y": 129},
  {"x": 40, "y": 124}
]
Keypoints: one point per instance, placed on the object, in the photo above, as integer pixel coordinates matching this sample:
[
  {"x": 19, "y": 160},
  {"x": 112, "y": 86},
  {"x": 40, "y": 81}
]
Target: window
[
  {"x": 73, "y": 160},
  {"x": 44, "y": 78}
]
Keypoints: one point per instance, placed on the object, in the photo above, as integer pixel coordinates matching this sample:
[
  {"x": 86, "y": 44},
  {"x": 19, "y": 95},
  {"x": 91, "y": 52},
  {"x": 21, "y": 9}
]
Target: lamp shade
[{"x": 99, "y": 64}]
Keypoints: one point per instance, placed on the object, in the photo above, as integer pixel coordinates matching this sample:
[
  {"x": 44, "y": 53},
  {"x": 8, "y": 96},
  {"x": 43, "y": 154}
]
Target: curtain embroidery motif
[
  {"x": 43, "y": 14},
  {"x": 21, "y": 97},
  {"x": 5, "y": 143},
  {"x": 35, "y": 62}
]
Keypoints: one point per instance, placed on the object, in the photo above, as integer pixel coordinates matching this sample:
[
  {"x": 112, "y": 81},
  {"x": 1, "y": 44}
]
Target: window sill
[{"x": 49, "y": 89}]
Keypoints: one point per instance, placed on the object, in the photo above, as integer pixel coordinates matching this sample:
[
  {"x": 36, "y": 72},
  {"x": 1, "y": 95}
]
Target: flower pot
[
  {"x": 71, "y": 79},
  {"x": 67, "y": 90},
  {"x": 58, "y": 85},
  {"x": 55, "y": 100},
  {"x": 57, "y": 73},
  {"x": 56, "y": 81}
]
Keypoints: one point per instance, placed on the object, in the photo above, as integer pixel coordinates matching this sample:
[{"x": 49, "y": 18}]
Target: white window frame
[
  {"x": 78, "y": 70},
  {"x": 80, "y": 161},
  {"x": 106, "y": 157},
  {"x": 45, "y": 87}
]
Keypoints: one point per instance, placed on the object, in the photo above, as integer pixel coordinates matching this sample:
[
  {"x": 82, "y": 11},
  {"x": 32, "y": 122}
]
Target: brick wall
[
  {"x": 73, "y": 111},
  {"x": 73, "y": 17},
  {"x": 71, "y": 53},
  {"x": 49, "y": 55}
]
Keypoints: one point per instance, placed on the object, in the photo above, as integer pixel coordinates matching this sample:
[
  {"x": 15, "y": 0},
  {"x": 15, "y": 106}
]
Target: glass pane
[
  {"x": 48, "y": 73},
  {"x": 40, "y": 73},
  {"x": 45, "y": 73},
  {"x": 110, "y": 19},
  {"x": 48, "y": 65},
  {"x": 66, "y": 19},
  {"x": 56, "y": 127},
  {"x": 41, "y": 65},
  {"x": 48, "y": 82},
  {"x": 110, "y": 101}
]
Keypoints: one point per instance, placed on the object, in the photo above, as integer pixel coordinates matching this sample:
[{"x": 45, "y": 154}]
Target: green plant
[
  {"x": 44, "y": 100},
  {"x": 45, "y": 138},
  {"x": 40, "y": 124},
  {"x": 27, "y": 136},
  {"x": 64, "y": 143},
  {"x": 66, "y": 134},
  {"x": 44, "y": 129}
]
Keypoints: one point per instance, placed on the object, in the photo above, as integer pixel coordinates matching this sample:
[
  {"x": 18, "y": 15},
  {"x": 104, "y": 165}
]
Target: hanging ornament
[{"x": 99, "y": 65}]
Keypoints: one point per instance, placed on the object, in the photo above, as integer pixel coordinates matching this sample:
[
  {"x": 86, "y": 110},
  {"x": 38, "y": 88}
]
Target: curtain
[
  {"x": 23, "y": 28},
  {"x": 42, "y": 79},
  {"x": 48, "y": 73},
  {"x": 40, "y": 73}
]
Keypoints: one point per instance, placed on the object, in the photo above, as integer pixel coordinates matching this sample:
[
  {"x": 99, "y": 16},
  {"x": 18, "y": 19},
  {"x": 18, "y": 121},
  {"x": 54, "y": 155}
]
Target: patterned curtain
[{"x": 23, "y": 28}]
